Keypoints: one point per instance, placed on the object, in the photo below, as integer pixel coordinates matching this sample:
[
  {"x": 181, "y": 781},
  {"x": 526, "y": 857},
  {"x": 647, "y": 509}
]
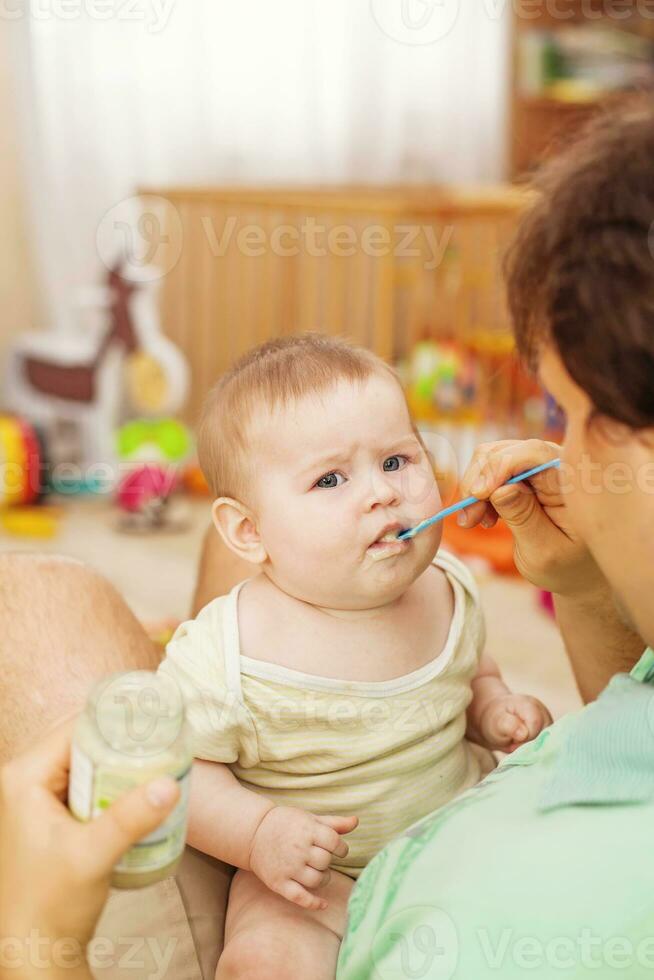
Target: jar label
[
  {"x": 94, "y": 788},
  {"x": 80, "y": 790}
]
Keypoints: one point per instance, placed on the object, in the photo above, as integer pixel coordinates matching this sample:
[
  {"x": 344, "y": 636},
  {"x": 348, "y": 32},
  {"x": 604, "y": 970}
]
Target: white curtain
[{"x": 119, "y": 94}]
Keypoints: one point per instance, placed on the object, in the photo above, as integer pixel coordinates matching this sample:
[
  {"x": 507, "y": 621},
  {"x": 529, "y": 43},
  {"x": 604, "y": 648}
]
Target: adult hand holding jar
[{"x": 55, "y": 872}]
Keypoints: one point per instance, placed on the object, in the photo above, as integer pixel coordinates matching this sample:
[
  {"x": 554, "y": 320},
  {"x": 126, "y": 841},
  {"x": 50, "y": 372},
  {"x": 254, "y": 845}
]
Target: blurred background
[{"x": 182, "y": 179}]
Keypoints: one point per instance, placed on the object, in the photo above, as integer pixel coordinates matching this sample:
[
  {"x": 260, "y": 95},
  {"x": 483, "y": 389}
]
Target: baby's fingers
[
  {"x": 310, "y": 878},
  {"x": 342, "y": 825},
  {"x": 328, "y": 830},
  {"x": 319, "y": 858},
  {"x": 511, "y": 727},
  {"x": 535, "y": 716},
  {"x": 294, "y": 892},
  {"x": 328, "y": 839}
]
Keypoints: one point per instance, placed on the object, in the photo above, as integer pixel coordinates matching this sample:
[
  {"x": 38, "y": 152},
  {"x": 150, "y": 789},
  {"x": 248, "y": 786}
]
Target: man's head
[
  {"x": 581, "y": 292},
  {"x": 310, "y": 451}
]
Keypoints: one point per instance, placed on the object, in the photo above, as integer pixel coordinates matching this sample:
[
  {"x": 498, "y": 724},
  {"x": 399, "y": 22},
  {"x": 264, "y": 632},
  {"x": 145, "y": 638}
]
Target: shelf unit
[{"x": 541, "y": 124}]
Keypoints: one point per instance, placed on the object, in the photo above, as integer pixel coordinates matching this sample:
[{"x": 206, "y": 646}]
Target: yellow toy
[{"x": 21, "y": 465}]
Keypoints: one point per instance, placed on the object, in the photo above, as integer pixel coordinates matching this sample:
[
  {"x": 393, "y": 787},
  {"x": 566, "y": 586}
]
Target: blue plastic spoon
[{"x": 462, "y": 504}]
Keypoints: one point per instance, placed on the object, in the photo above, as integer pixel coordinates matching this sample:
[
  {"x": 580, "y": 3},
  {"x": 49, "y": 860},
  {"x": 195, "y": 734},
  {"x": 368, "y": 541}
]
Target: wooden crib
[{"x": 382, "y": 266}]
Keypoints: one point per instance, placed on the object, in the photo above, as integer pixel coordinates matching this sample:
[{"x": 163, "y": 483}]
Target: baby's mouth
[{"x": 388, "y": 544}]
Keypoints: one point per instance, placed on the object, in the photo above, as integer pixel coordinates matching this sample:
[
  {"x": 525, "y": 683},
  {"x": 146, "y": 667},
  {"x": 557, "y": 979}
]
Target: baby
[{"x": 343, "y": 690}]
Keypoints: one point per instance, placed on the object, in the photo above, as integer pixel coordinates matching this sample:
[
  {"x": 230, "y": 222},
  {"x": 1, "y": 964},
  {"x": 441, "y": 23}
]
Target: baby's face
[{"x": 337, "y": 476}]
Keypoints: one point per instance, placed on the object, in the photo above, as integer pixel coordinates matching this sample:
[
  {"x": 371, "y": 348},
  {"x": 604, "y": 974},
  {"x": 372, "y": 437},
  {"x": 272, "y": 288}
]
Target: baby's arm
[
  {"x": 289, "y": 849},
  {"x": 498, "y": 719}
]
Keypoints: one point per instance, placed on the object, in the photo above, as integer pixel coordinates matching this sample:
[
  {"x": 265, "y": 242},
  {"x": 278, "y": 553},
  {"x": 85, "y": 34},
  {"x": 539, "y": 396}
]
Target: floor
[{"x": 156, "y": 574}]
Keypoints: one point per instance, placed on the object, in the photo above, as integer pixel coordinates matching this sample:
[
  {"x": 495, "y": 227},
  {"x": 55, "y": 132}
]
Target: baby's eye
[
  {"x": 330, "y": 480},
  {"x": 394, "y": 463}
]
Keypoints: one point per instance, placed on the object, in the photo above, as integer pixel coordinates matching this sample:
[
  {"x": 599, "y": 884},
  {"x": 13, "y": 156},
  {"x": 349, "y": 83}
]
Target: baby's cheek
[
  {"x": 430, "y": 503},
  {"x": 309, "y": 542},
  {"x": 429, "y": 541}
]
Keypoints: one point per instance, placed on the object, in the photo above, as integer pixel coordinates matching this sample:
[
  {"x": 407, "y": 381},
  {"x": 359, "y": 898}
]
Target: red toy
[{"x": 143, "y": 496}]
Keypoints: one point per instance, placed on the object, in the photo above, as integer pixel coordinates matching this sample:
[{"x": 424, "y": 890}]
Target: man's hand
[
  {"x": 510, "y": 720},
  {"x": 292, "y": 850},
  {"x": 547, "y": 551},
  {"x": 55, "y": 871}
]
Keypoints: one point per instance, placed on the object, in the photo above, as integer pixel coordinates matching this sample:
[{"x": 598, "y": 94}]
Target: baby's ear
[{"x": 237, "y": 526}]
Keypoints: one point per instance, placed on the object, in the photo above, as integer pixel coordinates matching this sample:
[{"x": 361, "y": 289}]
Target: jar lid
[{"x": 138, "y": 713}]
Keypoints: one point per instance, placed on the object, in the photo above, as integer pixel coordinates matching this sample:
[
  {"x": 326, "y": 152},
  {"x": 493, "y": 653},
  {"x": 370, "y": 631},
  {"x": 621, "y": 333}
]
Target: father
[
  {"x": 546, "y": 867},
  {"x": 517, "y": 873}
]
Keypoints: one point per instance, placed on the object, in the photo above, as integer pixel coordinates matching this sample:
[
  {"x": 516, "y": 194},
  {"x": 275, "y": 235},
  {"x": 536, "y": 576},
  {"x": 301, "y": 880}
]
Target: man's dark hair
[{"x": 580, "y": 272}]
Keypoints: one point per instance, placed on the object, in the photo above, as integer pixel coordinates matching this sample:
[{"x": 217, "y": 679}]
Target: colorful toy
[
  {"x": 88, "y": 379},
  {"x": 481, "y": 383},
  {"x": 165, "y": 440},
  {"x": 195, "y": 482},
  {"x": 155, "y": 452},
  {"x": 21, "y": 461},
  {"x": 546, "y": 602},
  {"x": 462, "y": 394},
  {"x": 30, "y": 522},
  {"x": 442, "y": 380},
  {"x": 22, "y": 482},
  {"x": 146, "y": 487},
  {"x": 144, "y": 498}
]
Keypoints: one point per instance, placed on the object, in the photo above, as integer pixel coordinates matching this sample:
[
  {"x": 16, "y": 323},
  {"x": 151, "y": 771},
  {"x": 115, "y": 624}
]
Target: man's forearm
[{"x": 598, "y": 642}]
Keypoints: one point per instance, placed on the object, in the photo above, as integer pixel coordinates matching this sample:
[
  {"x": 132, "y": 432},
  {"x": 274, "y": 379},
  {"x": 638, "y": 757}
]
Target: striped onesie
[{"x": 388, "y": 751}]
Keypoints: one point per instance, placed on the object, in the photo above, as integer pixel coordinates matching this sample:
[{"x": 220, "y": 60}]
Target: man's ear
[{"x": 237, "y": 526}]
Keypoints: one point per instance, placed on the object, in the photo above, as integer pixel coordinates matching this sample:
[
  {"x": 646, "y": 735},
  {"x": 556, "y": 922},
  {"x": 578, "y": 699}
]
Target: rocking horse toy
[{"x": 91, "y": 383}]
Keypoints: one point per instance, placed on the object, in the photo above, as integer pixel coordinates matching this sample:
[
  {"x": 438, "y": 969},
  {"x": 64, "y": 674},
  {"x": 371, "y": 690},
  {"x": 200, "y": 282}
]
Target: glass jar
[{"x": 132, "y": 731}]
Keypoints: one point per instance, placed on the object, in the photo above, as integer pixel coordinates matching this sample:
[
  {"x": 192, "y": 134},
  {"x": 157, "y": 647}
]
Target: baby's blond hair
[{"x": 267, "y": 377}]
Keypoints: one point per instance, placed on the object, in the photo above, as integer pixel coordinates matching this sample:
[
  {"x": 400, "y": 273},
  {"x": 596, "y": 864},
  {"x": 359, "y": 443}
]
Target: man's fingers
[
  {"x": 473, "y": 515},
  {"x": 519, "y": 508},
  {"x": 47, "y": 763},
  {"x": 132, "y": 817},
  {"x": 495, "y": 463}
]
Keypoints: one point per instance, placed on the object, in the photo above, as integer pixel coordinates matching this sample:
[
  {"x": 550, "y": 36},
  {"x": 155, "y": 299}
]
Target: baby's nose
[{"x": 384, "y": 494}]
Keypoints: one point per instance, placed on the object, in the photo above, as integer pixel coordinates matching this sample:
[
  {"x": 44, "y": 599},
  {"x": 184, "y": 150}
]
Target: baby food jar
[{"x": 131, "y": 732}]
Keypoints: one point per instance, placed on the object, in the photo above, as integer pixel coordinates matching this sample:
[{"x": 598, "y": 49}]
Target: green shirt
[{"x": 544, "y": 869}]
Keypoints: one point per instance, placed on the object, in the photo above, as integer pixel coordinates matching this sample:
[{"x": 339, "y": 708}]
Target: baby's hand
[
  {"x": 512, "y": 719},
  {"x": 292, "y": 850}
]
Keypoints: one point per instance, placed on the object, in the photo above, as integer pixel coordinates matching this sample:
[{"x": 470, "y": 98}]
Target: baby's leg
[{"x": 269, "y": 938}]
